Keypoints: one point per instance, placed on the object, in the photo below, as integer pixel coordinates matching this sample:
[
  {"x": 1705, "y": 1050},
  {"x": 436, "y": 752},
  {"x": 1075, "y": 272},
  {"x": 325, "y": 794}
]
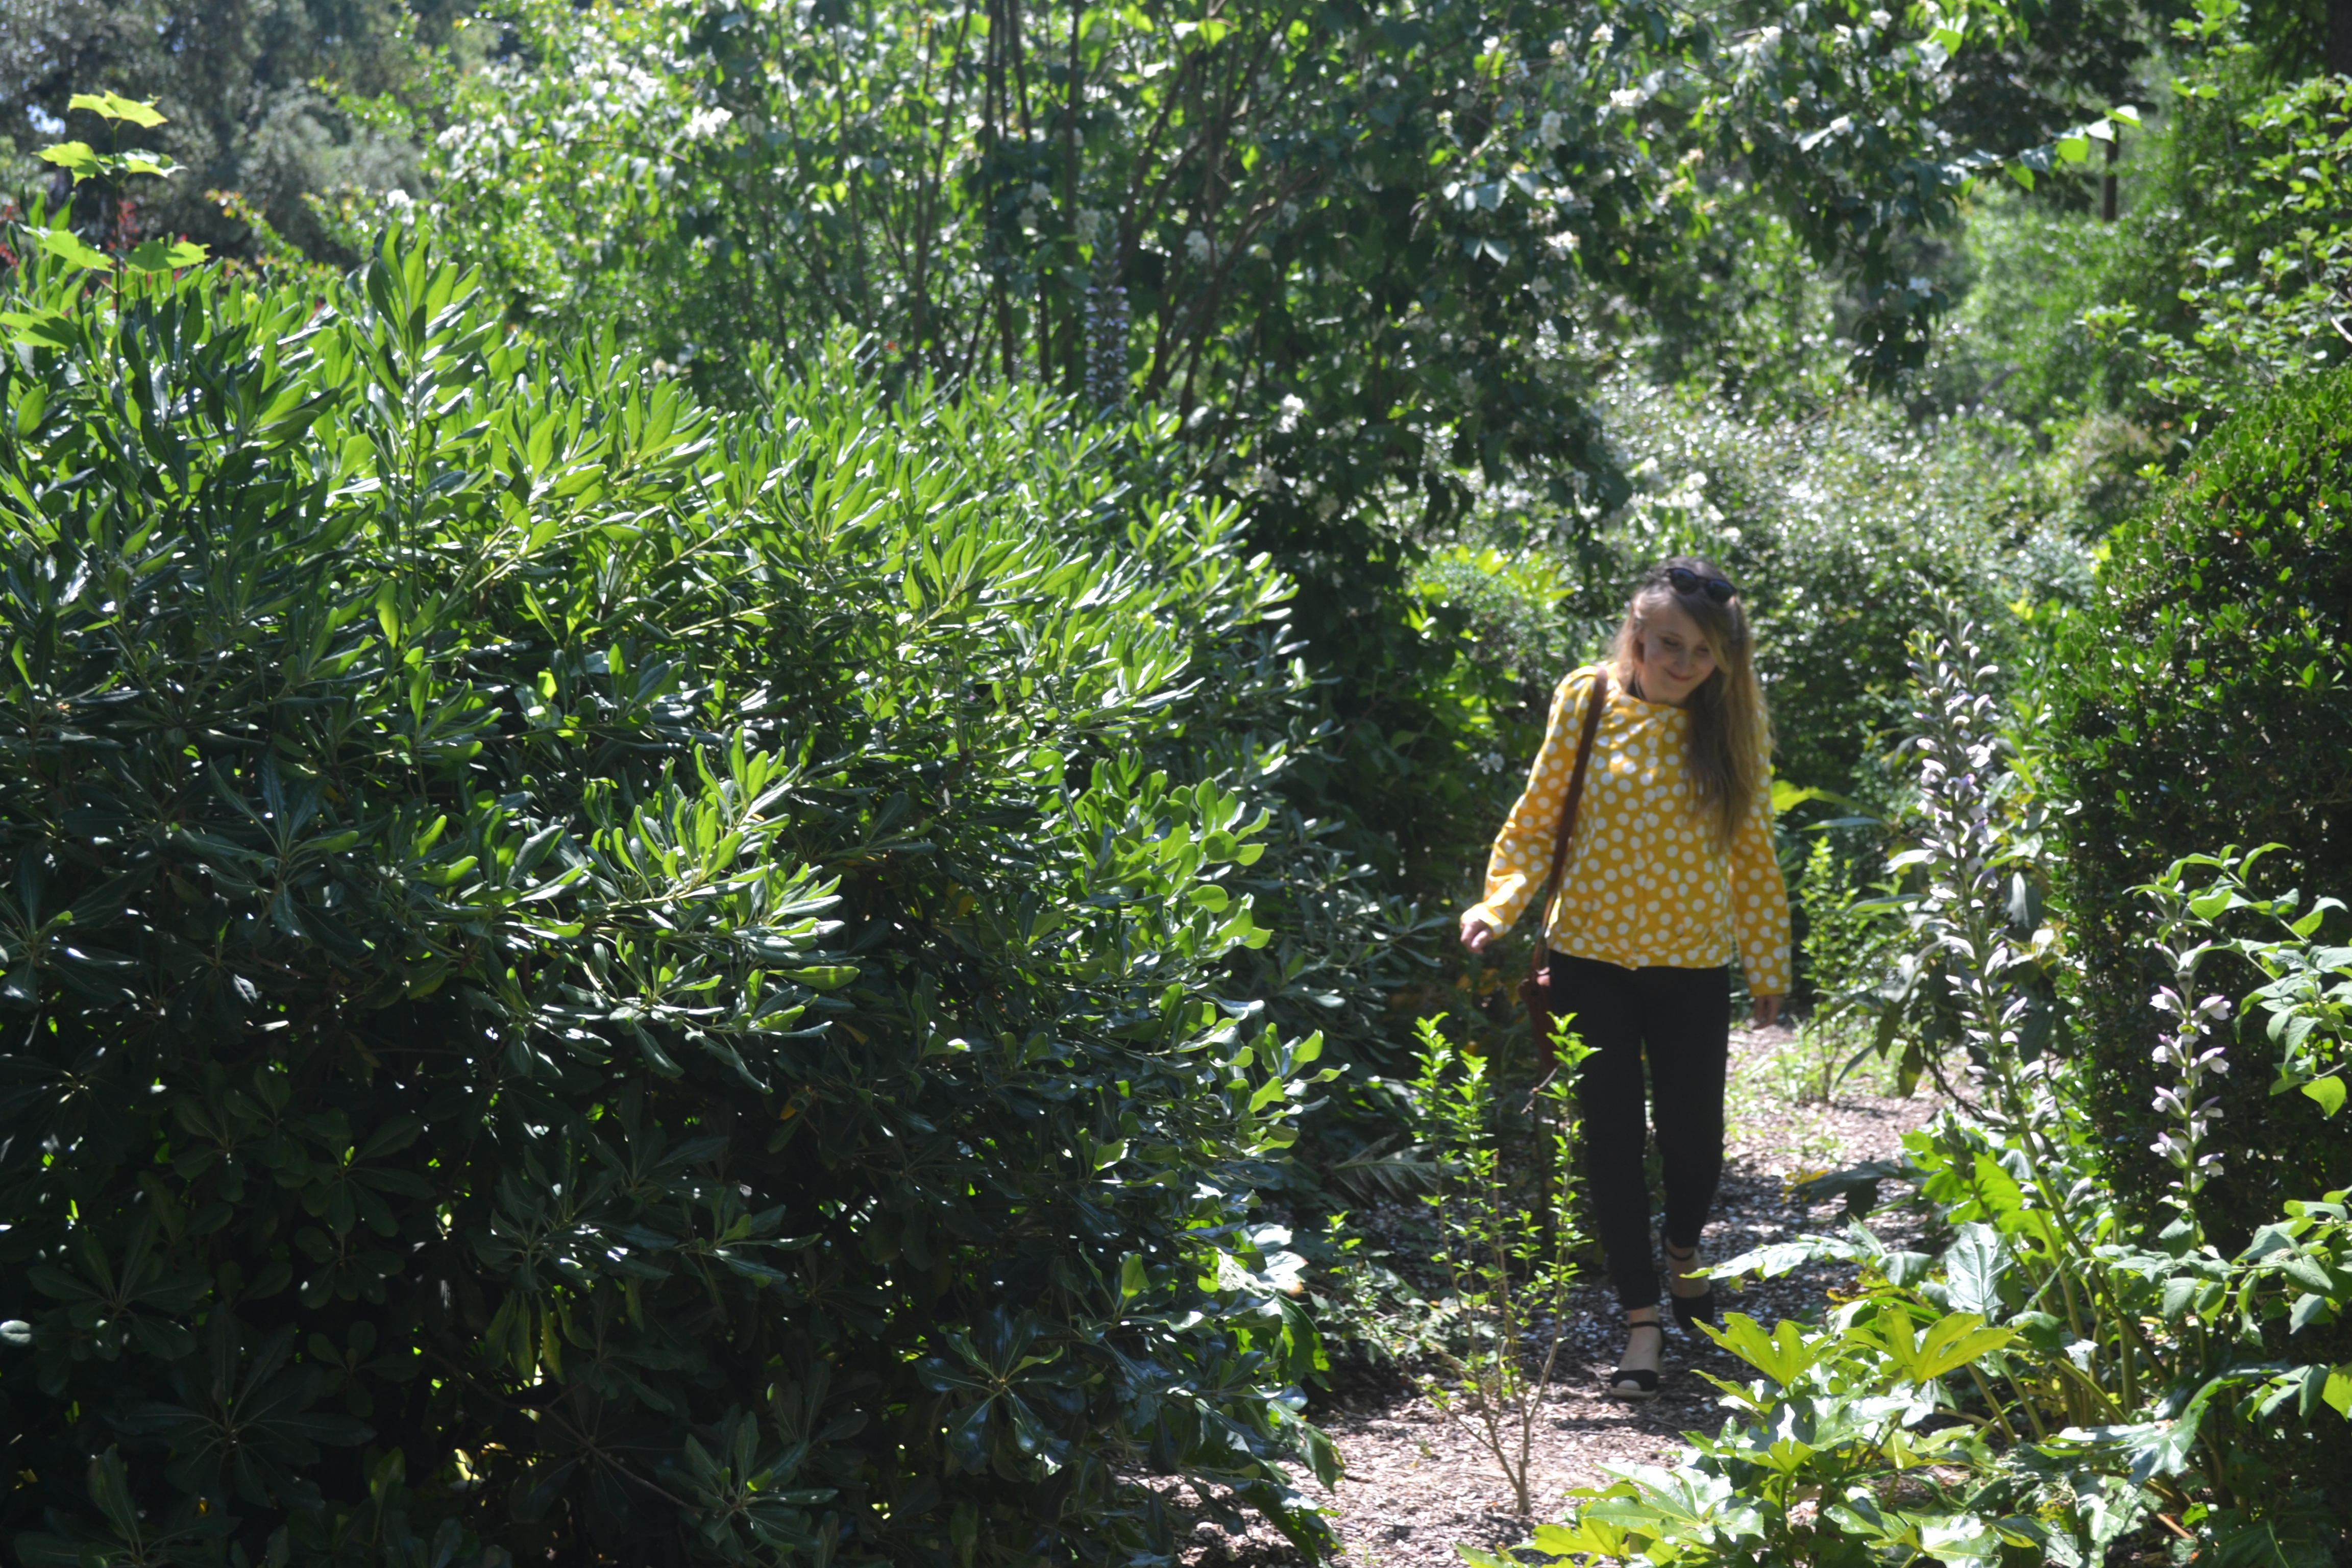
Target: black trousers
[{"x": 1681, "y": 1018}]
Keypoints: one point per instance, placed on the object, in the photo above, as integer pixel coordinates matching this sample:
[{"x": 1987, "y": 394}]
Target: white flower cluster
[
  {"x": 1035, "y": 202},
  {"x": 2184, "y": 1051},
  {"x": 1765, "y": 41}
]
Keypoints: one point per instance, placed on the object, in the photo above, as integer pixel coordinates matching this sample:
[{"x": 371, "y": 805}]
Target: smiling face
[{"x": 1671, "y": 657}]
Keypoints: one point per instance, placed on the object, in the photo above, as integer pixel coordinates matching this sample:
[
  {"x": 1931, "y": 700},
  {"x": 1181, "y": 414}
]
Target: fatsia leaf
[
  {"x": 1783, "y": 1355},
  {"x": 1953, "y": 1342},
  {"x": 1583, "y": 1533},
  {"x": 1679, "y": 1505}
]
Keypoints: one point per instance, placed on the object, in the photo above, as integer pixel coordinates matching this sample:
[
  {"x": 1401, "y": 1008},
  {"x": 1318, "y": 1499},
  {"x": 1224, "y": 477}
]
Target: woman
[{"x": 1670, "y": 868}]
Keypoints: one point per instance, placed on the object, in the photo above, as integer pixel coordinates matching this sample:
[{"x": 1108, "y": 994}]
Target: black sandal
[
  {"x": 1637, "y": 1383},
  {"x": 1690, "y": 1311}
]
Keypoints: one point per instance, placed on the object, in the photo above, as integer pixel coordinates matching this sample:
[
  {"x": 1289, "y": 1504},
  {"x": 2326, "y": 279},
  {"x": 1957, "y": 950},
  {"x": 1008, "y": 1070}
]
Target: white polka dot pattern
[{"x": 1645, "y": 884}]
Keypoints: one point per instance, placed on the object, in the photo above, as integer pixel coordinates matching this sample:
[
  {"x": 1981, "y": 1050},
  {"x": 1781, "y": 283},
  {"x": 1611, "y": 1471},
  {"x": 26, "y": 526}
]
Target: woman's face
[{"x": 1673, "y": 660}]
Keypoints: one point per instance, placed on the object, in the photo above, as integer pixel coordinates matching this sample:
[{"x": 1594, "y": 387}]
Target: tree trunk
[
  {"x": 1075, "y": 375},
  {"x": 2339, "y": 38}
]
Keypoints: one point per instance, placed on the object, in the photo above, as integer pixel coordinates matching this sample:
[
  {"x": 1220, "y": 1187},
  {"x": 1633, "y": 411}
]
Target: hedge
[{"x": 2204, "y": 700}]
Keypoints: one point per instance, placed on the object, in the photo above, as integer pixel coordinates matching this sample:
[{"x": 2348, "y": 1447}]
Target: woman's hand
[
  {"x": 1764, "y": 1013},
  {"x": 1476, "y": 933}
]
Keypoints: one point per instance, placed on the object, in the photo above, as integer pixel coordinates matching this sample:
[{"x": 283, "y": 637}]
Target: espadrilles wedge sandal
[
  {"x": 1690, "y": 1311},
  {"x": 1637, "y": 1382}
]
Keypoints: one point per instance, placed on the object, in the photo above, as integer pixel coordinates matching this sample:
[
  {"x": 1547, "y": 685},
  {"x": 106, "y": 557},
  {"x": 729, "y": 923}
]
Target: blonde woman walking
[{"x": 1670, "y": 872}]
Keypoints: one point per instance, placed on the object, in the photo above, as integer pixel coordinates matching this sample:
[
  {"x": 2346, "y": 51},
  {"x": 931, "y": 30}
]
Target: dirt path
[{"x": 1418, "y": 1482}]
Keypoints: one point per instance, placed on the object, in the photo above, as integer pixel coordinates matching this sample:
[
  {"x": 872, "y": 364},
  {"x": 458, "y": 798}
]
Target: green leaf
[
  {"x": 1677, "y": 1505},
  {"x": 2003, "y": 1199},
  {"x": 1783, "y": 1355},
  {"x": 114, "y": 106},
  {"x": 43, "y": 328},
  {"x": 79, "y": 157},
  {"x": 70, "y": 248},
  {"x": 2338, "y": 1392},
  {"x": 1973, "y": 1266},
  {"x": 1953, "y": 1343},
  {"x": 1787, "y": 797},
  {"x": 2328, "y": 1091},
  {"x": 1584, "y": 1535},
  {"x": 155, "y": 255}
]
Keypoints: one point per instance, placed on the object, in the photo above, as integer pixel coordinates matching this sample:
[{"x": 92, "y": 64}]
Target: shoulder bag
[{"x": 1536, "y": 989}]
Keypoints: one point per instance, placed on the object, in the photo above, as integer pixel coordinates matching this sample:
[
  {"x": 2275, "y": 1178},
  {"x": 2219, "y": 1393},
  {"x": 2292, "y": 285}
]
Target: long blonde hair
[{"x": 1728, "y": 726}]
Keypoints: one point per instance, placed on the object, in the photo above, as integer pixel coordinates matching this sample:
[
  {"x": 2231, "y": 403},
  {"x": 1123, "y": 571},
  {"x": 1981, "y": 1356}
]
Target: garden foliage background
[{"x": 752, "y": 725}]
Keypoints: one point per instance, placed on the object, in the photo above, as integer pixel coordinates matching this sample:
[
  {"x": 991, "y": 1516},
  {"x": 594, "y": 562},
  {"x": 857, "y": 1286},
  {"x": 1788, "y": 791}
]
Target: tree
[
  {"x": 236, "y": 80},
  {"x": 1367, "y": 251}
]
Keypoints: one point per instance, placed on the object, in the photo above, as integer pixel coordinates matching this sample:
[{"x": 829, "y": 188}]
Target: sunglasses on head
[{"x": 1683, "y": 579}]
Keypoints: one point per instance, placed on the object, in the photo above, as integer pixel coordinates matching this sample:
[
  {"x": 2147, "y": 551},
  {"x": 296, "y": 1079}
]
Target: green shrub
[
  {"x": 2017, "y": 337},
  {"x": 1507, "y": 1240},
  {"x": 2205, "y": 699},
  {"x": 1848, "y": 534},
  {"x": 2265, "y": 284},
  {"x": 598, "y": 982}
]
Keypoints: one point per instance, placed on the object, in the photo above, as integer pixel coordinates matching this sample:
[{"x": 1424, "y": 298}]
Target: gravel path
[{"x": 1417, "y": 1482}]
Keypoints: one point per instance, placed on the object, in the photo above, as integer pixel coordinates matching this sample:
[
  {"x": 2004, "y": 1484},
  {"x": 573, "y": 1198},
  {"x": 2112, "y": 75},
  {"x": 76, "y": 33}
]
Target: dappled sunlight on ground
[{"x": 1419, "y": 1481}]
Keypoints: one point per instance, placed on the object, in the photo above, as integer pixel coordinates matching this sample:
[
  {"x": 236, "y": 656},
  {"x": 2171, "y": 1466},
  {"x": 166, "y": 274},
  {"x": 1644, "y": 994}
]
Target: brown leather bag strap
[{"x": 1592, "y": 709}]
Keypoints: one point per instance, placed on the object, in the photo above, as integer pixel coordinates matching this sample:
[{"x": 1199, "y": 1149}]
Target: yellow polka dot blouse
[{"x": 1645, "y": 884}]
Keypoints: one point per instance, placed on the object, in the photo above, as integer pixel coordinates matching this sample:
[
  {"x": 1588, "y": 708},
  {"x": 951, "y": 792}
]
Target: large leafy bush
[
  {"x": 2205, "y": 699},
  {"x": 1848, "y": 533},
  {"x": 598, "y": 982}
]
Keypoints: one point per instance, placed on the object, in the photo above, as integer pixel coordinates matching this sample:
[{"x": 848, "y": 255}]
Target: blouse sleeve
[
  {"x": 1521, "y": 857},
  {"x": 1760, "y": 897}
]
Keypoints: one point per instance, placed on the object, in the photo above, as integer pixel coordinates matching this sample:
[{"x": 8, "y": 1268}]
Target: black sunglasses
[{"x": 1683, "y": 579}]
